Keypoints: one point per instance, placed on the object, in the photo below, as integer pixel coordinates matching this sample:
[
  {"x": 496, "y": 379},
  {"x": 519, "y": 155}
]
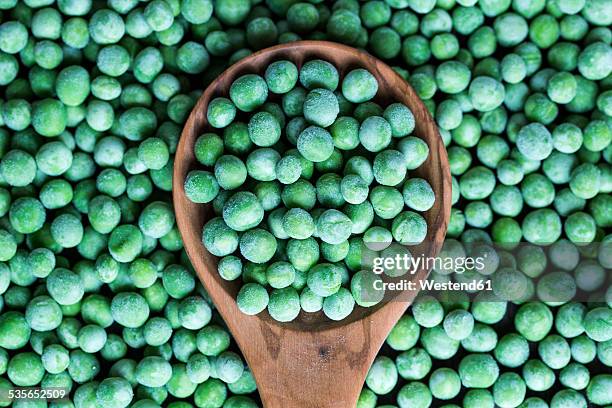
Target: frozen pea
[
  {"x": 252, "y": 298},
  {"x": 281, "y": 76},
  {"x": 478, "y": 371},
  {"x": 458, "y": 324},
  {"x": 561, "y": 87},
  {"x": 264, "y": 129},
  {"x": 389, "y": 167},
  {"x": 315, "y": 144},
  {"x": 404, "y": 334},
  {"x": 114, "y": 392},
  {"x": 64, "y": 286},
  {"x": 230, "y": 267},
  {"x": 359, "y": 86},
  {"x": 284, "y": 304},
  {"x": 535, "y": 141},
  {"x": 257, "y": 245},
  {"x": 43, "y": 313},
  {"x": 418, "y": 194},
  {"x": 444, "y": 383},
  {"x": 191, "y": 57},
  {"x": 509, "y": 390},
  {"x": 280, "y": 275},
  {"x": 319, "y": 74},
  {"x": 298, "y": 223},
  {"x": 261, "y": 164},
  {"x": 512, "y": 350},
  {"x": 533, "y": 320},
  {"x": 354, "y": 189},
  {"x": 486, "y": 93},
  {"x": 249, "y": 92},
  {"x": 542, "y": 226},
  {"x": 321, "y": 107},
  {"x": 593, "y": 62},
  {"x": 538, "y": 377},
  {"x": 334, "y": 226},
  {"x": 382, "y": 376},
  {"x": 596, "y": 322},
  {"x": 129, "y": 309},
  {"x": 25, "y": 369},
  {"x": 242, "y": 211},
  {"x": 339, "y": 305},
  {"x": 345, "y": 133},
  {"x": 375, "y": 133},
  {"x": 230, "y": 174},
  {"x": 414, "y": 394}
]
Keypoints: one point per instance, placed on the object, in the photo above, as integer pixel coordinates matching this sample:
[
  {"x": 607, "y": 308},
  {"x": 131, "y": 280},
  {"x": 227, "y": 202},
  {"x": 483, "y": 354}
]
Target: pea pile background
[{"x": 93, "y": 278}]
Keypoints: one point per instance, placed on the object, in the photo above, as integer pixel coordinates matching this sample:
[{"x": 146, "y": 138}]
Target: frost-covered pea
[
  {"x": 191, "y": 57},
  {"x": 288, "y": 169},
  {"x": 345, "y": 133},
  {"x": 533, "y": 320},
  {"x": 538, "y": 377},
  {"x": 597, "y": 136},
  {"x": 477, "y": 183},
  {"x": 125, "y": 243},
  {"x": 509, "y": 390},
  {"x": 324, "y": 279},
  {"x": 359, "y": 86},
  {"x": 584, "y": 180},
  {"x": 512, "y": 350},
  {"x": 354, "y": 189},
  {"x": 43, "y": 314},
  {"x": 18, "y": 168},
  {"x": 334, "y": 226},
  {"x": 594, "y": 61},
  {"x": 478, "y": 371},
  {"x": 413, "y": 364},
  {"x": 315, "y": 144},
  {"x": 339, "y": 305},
  {"x": 230, "y": 173},
  {"x": 284, "y": 304},
  {"x": 261, "y": 164},
  {"x": 535, "y": 141},
  {"x": 542, "y": 226},
  {"x": 458, "y": 324},
  {"x": 114, "y": 392},
  {"x": 444, "y": 383},
  {"x": 382, "y": 376},
  {"x": 25, "y": 369},
  {"x": 281, "y": 76},
  {"x": 249, "y": 92},
  {"x": 129, "y": 309},
  {"x": 264, "y": 129},
  {"x": 242, "y": 211},
  {"x": 319, "y": 74},
  {"x": 298, "y": 223},
  {"x": 486, "y": 93},
  {"x": 595, "y": 323},
  {"x": 389, "y": 167},
  {"x": 321, "y": 107},
  {"x": 72, "y": 85},
  {"x": 258, "y": 245},
  {"x": 561, "y": 87},
  {"x": 375, "y": 133}
]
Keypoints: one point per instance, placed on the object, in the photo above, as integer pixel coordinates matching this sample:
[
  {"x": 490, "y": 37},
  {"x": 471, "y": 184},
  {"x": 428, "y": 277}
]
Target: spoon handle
[{"x": 324, "y": 369}]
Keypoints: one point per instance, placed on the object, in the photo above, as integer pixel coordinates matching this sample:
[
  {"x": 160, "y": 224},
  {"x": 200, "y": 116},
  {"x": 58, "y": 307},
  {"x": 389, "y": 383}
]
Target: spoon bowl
[{"x": 311, "y": 362}]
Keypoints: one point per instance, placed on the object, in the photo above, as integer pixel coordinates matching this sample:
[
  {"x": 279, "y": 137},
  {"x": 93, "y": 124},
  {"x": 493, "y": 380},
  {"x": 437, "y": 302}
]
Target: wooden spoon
[{"x": 311, "y": 362}]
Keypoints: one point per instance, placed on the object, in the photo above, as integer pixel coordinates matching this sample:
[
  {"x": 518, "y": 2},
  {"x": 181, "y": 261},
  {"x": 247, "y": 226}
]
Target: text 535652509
[{"x": 33, "y": 393}]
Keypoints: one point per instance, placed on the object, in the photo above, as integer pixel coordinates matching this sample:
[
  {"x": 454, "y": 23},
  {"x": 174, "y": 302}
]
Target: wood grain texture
[{"x": 311, "y": 362}]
